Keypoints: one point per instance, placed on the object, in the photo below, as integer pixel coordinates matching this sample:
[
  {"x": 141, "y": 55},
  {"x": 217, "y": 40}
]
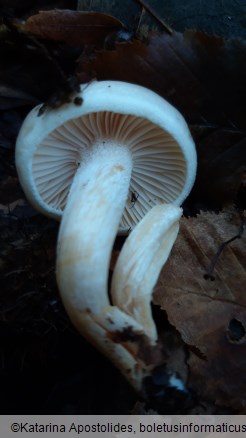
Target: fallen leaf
[
  {"x": 210, "y": 315},
  {"x": 73, "y": 27}
]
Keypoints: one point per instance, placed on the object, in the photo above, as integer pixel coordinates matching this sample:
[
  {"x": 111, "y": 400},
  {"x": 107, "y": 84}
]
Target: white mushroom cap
[{"x": 163, "y": 153}]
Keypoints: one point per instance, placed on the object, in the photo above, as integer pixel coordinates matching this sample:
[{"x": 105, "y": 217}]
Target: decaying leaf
[
  {"x": 204, "y": 77},
  {"x": 73, "y": 27},
  {"x": 210, "y": 315}
]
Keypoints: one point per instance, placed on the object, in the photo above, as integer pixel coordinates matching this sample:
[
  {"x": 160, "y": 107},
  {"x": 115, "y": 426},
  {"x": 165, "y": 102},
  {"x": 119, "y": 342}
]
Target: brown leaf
[
  {"x": 73, "y": 27},
  {"x": 204, "y": 77},
  {"x": 210, "y": 315}
]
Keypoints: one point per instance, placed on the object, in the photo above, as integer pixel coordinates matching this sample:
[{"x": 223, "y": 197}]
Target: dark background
[{"x": 45, "y": 366}]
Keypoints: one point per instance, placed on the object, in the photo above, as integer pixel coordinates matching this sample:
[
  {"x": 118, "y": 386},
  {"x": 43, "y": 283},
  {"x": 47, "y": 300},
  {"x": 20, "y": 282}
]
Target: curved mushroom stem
[
  {"x": 125, "y": 332},
  {"x": 140, "y": 262},
  {"x": 88, "y": 228},
  {"x": 89, "y": 225}
]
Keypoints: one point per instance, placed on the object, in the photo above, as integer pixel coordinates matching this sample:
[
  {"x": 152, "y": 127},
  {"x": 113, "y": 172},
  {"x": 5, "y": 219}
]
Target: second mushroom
[{"x": 102, "y": 167}]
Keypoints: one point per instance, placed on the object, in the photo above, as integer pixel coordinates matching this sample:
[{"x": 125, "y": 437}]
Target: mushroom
[{"x": 100, "y": 168}]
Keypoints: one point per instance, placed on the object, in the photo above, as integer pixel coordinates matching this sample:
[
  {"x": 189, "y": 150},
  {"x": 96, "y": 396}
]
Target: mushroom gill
[{"x": 159, "y": 170}]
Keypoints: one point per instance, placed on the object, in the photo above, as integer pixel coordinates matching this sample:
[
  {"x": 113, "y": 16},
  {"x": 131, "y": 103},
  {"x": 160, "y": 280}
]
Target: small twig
[
  {"x": 140, "y": 19},
  {"x": 209, "y": 275},
  {"x": 153, "y": 13}
]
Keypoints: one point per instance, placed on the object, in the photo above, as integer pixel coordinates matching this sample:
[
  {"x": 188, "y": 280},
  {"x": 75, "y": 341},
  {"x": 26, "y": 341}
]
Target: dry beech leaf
[
  {"x": 204, "y": 77},
  {"x": 210, "y": 315},
  {"x": 73, "y": 27}
]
